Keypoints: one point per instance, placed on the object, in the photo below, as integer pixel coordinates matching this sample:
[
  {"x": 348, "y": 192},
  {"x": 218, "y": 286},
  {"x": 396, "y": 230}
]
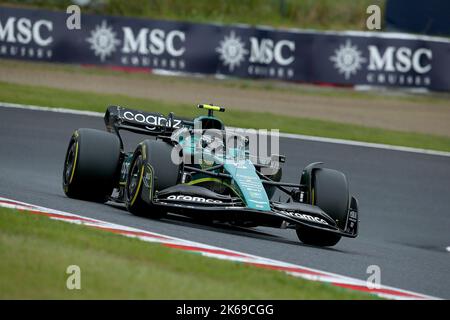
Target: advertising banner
[{"x": 342, "y": 58}]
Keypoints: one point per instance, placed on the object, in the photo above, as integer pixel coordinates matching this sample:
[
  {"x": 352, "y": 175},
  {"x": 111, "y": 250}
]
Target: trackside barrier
[{"x": 338, "y": 58}]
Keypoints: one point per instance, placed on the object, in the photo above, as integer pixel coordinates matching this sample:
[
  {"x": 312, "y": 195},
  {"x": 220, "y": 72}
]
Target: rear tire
[
  {"x": 330, "y": 193},
  {"x": 91, "y": 165},
  {"x": 151, "y": 170}
]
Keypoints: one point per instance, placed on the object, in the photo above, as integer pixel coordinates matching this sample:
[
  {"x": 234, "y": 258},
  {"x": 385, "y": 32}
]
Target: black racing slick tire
[
  {"x": 151, "y": 170},
  {"x": 91, "y": 165},
  {"x": 330, "y": 193}
]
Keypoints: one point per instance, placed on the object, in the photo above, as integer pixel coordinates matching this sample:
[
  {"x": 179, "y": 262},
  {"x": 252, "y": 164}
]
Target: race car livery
[{"x": 199, "y": 169}]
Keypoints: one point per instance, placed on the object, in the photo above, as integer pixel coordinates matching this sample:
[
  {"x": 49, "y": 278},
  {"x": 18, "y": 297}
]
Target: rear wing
[{"x": 120, "y": 118}]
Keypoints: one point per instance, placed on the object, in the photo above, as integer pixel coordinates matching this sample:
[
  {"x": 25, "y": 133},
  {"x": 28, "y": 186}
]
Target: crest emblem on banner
[
  {"x": 103, "y": 40},
  {"x": 348, "y": 59},
  {"x": 232, "y": 51}
]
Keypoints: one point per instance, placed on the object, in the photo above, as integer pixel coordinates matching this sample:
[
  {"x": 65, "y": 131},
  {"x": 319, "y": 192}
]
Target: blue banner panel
[{"x": 343, "y": 58}]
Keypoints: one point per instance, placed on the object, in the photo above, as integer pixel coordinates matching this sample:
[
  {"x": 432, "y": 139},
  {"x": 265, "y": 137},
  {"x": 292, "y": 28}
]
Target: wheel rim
[
  {"x": 69, "y": 164},
  {"x": 134, "y": 177}
]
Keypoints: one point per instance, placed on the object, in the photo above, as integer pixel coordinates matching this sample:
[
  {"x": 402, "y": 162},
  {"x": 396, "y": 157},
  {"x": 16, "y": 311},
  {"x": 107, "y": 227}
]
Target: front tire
[
  {"x": 91, "y": 165},
  {"x": 329, "y": 192},
  {"x": 315, "y": 237},
  {"x": 151, "y": 170}
]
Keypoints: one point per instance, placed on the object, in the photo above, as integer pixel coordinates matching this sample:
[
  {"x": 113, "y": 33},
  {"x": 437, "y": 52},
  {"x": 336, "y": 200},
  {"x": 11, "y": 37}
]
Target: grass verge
[
  {"x": 438, "y": 98},
  {"x": 83, "y": 100},
  {"x": 36, "y": 251}
]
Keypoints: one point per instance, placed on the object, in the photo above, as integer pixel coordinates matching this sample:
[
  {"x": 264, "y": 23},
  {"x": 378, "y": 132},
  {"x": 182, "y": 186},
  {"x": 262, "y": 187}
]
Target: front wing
[{"x": 281, "y": 215}]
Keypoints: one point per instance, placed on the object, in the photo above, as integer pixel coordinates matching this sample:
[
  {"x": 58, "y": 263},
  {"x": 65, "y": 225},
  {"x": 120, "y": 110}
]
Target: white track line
[
  {"x": 219, "y": 253},
  {"x": 283, "y": 135},
  {"x": 51, "y": 109}
]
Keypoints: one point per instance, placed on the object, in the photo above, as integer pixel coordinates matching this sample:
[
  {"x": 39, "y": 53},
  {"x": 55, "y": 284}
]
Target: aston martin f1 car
[{"x": 198, "y": 169}]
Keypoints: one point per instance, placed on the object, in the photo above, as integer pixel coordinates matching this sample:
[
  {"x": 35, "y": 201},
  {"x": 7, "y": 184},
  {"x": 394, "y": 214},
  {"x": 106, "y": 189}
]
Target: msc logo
[
  {"x": 399, "y": 66},
  {"x": 266, "y": 56},
  {"x": 25, "y": 31},
  {"x": 390, "y": 65},
  {"x": 402, "y": 59},
  {"x": 155, "y": 42},
  {"x": 143, "y": 47},
  {"x": 266, "y": 51}
]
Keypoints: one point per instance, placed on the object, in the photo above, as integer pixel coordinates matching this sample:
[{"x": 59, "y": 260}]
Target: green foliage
[{"x": 312, "y": 14}]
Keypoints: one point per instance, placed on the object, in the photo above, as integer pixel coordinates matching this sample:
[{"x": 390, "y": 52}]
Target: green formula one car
[{"x": 198, "y": 169}]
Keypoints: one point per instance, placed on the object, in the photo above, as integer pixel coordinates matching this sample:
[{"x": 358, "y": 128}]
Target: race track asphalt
[{"x": 404, "y": 202}]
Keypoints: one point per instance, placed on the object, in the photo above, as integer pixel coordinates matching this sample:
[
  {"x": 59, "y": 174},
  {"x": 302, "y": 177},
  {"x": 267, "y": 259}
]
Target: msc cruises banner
[{"x": 344, "y": 58}]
